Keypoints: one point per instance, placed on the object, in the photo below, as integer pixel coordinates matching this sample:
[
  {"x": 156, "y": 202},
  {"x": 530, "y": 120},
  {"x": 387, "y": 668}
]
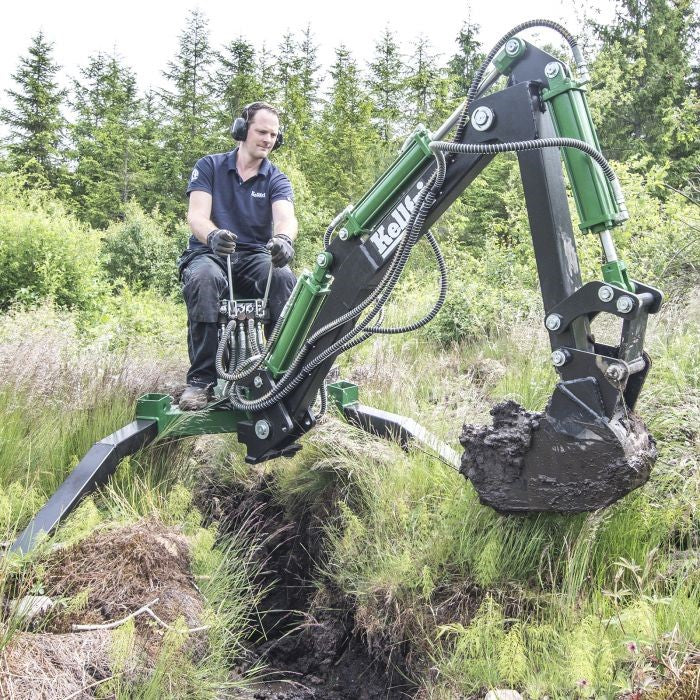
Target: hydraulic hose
[
  {"x": 291, "y": 379},
  {"x": 478, "y": 76}
]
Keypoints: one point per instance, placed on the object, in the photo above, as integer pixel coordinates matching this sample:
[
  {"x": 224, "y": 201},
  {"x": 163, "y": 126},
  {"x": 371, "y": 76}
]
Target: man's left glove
[{"x": 281, "y": 249}]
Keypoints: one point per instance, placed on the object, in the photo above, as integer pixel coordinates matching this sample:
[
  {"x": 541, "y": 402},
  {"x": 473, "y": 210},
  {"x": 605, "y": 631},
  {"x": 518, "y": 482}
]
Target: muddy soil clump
[
  {"x": 306, "y": 639},
  {"x": 567, "y": 462}
]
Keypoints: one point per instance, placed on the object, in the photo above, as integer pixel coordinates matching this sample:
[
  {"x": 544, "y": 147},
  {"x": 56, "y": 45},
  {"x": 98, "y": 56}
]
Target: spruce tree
[
  {"x": 296, "y": 89},
  {"x": 35, "y": 121},
  {"x": 104, "y": 139},
  {"x": 345, "y": 139},
  {"x": 386, "y": 87},
  {"x": 189, "y": 132},
  {"x": 427, "y": 86},
  {"x": 464, "y": 64},
  {"x": 644, "y": 97},
  {"x": 236, "y": 85}
]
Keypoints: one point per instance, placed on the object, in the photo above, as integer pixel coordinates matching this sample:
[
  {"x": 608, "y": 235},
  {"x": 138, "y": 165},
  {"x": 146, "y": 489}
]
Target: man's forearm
[
  {"x": 201, "y": 227},
  {"x": 288, "y": 228}
]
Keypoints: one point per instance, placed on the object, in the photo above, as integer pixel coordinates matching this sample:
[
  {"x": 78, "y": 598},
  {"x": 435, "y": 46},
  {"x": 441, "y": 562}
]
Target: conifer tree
[
  {"x": 296, "y": 89},
  {"x": 236, "y": 85},
  {"x": 104, "y": 143},
  {"x": 386, "y": 86},
  {"x": 643, "y": 75},
  {"x": 464, "y": 64},
  {"x": 346, "y": 141},
  {"x": 189, "y": 133},
  {"x": 427, "y": 85},
  {"x": 35, "y": 121}
]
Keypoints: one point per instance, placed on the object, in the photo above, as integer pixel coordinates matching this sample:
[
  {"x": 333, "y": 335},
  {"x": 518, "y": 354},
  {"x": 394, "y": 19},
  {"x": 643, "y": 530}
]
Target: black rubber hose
[{"x": 478, "y": 76}]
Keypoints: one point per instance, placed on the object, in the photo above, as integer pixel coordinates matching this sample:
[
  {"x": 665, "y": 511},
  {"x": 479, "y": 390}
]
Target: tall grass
[
  {"x": 62, "y": 388},
  {"x": 581, "y": 606}
]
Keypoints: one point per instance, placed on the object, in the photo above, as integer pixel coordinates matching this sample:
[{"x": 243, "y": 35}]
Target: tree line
[{"x": 102, "y": 142}]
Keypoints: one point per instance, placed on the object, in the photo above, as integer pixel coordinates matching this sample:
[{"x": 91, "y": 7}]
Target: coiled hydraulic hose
[{"x": 292, "y": 378}]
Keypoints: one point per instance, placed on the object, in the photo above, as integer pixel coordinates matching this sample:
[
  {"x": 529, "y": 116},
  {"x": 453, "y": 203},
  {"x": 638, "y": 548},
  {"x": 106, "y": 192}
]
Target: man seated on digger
[{"x": 240, "y": 205}]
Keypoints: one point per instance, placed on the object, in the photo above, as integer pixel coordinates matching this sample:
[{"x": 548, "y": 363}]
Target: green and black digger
[{"x": 586, "y": 450}]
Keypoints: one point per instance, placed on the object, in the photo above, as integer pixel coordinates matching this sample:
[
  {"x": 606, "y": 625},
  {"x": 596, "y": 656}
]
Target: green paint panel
[
  {"x": 374, "y": 204},
  {"x": 299, "y": 313},
  {"x": 593, "y": 194}
]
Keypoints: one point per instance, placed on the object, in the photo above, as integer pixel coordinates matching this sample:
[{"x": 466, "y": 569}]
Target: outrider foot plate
[{"x": 531, "y": 462}]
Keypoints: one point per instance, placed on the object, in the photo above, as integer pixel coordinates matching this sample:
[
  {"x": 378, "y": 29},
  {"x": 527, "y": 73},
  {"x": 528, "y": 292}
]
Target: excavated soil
[
  {"x": 122, "y": 570},
  {"x": 531, "y": 462},
  {"x": 306, "y": 639}
]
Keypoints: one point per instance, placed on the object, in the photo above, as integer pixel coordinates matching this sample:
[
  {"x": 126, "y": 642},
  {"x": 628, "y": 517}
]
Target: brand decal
[
  {"x": 195, "y": 175},
  {"x": 388, "y": 234},
  {"x": 257, "y": 194}
]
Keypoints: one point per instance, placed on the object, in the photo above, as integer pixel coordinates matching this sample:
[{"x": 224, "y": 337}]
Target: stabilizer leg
[{"x": 91, "y": 472}]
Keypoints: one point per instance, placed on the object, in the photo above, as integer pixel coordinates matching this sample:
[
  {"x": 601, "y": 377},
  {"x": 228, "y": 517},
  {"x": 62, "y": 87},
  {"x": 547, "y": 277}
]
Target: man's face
[{"x": 262, "y": 133}]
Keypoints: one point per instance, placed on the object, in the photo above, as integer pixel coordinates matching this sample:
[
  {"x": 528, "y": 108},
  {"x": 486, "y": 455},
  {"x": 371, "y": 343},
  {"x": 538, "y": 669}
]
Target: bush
[
  {"x": 138, "y": 251},
  {"x": 484, "y": 297},
  {"x": 313, "y": 217},
  {"x": 44, "y": 251}
]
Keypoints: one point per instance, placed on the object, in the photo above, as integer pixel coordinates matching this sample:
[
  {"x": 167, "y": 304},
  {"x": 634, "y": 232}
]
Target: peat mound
[{"x": 140, "y": 571}]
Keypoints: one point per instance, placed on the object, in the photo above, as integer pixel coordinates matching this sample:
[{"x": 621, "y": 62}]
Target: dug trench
[{"x": 305, "y": 634}]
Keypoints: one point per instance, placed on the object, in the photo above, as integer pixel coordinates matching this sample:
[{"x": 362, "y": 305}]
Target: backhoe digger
[{"x": 585, "y": 451}]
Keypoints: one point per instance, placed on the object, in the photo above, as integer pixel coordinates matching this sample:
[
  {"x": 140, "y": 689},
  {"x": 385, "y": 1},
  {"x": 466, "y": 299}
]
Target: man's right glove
[
  {"x": 281, "y": 249},
  {"x": 221, "y": 241}
]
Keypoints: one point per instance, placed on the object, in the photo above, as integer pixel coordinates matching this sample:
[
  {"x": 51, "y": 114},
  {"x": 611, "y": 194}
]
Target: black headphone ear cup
[
  {"x": 279, "y": 141},
  {"x": 239, "y": 129}
]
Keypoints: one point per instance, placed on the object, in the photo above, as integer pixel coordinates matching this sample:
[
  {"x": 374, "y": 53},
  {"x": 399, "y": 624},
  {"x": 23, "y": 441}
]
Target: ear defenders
[{"x": 239, "y": 128}]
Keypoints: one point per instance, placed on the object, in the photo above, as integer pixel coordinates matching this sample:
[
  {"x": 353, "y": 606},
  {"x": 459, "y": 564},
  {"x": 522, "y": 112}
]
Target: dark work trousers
[{"x": 205, "y": 283}]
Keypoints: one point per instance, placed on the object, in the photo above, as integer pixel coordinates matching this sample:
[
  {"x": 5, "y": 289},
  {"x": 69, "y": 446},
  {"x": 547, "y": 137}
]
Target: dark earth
[
  {"x": 305, "y": 635},
  {"x": 563, "y": 460}
]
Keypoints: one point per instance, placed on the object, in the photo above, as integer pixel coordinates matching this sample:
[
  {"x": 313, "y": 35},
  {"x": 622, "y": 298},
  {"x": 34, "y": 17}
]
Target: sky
[{"x": 145, "y": 33}]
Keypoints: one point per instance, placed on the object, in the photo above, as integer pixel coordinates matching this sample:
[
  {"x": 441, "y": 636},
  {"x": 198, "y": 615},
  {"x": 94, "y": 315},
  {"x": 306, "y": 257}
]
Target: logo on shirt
[
  {"x": 258, "y": 195},
  {"x": 195, "y": 175}
]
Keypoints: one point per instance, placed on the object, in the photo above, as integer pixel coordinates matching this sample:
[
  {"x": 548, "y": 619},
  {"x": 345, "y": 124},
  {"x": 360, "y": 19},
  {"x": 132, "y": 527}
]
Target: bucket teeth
[{"x": 531, "y": 462}]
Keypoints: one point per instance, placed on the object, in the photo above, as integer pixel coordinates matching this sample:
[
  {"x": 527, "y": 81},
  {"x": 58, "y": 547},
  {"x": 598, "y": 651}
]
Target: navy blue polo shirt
[{"x": 242, "y": 207}]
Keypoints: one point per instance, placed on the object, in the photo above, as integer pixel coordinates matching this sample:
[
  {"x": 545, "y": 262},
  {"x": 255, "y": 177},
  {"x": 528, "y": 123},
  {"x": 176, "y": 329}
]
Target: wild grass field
[{"x": 456, "y": 597}]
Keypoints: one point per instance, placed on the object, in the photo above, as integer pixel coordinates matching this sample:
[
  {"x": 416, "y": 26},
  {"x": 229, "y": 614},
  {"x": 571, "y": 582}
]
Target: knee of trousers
[
  {"x": 283, "y": 281},
  {"x": 203, "y": 287}
]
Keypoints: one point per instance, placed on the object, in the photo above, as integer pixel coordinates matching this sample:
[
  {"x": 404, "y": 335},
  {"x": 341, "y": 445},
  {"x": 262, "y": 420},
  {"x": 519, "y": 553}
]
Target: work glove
[
  {"x": 281, "y": 249},
  {"x": 221, "y": 241}
]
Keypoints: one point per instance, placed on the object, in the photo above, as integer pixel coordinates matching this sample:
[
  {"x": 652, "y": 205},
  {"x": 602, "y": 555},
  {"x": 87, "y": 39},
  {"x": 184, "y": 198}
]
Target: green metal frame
[{"x": 218, "y": 417}]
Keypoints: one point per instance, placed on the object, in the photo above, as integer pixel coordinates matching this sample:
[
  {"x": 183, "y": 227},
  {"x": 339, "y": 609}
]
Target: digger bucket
[{"x": 565, "y": 460}]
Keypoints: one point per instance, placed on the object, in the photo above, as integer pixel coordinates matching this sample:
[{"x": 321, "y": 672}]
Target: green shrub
[
  {"x": 138, "y": 251},
  {"x": 44, "y": 251},
  {"x": 485, "y": 297}
]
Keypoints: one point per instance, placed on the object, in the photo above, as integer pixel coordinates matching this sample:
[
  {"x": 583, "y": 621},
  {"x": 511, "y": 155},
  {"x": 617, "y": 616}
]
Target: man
[{"x": 240, "y": 202}]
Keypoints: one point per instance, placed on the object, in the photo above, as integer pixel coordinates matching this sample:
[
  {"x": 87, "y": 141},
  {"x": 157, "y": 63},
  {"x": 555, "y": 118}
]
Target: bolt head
[
  {"x": 321, "y": 260},
  {"x": 257, "y": 382},
  {"x": 553, "y": 322},
  {"x": 625, "y": 304},
  {"x": 343, "y": 234},
  {"x": 262, "y": 429},
  {"x": 512, "y": 47},
  {"x": 615, "y": 372},
  {"x": 551, "y": 70},
  {"x": 482, "y": 118},
  {"x": 606, "y": 293},
  {"x": 559, "y": 358}
]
